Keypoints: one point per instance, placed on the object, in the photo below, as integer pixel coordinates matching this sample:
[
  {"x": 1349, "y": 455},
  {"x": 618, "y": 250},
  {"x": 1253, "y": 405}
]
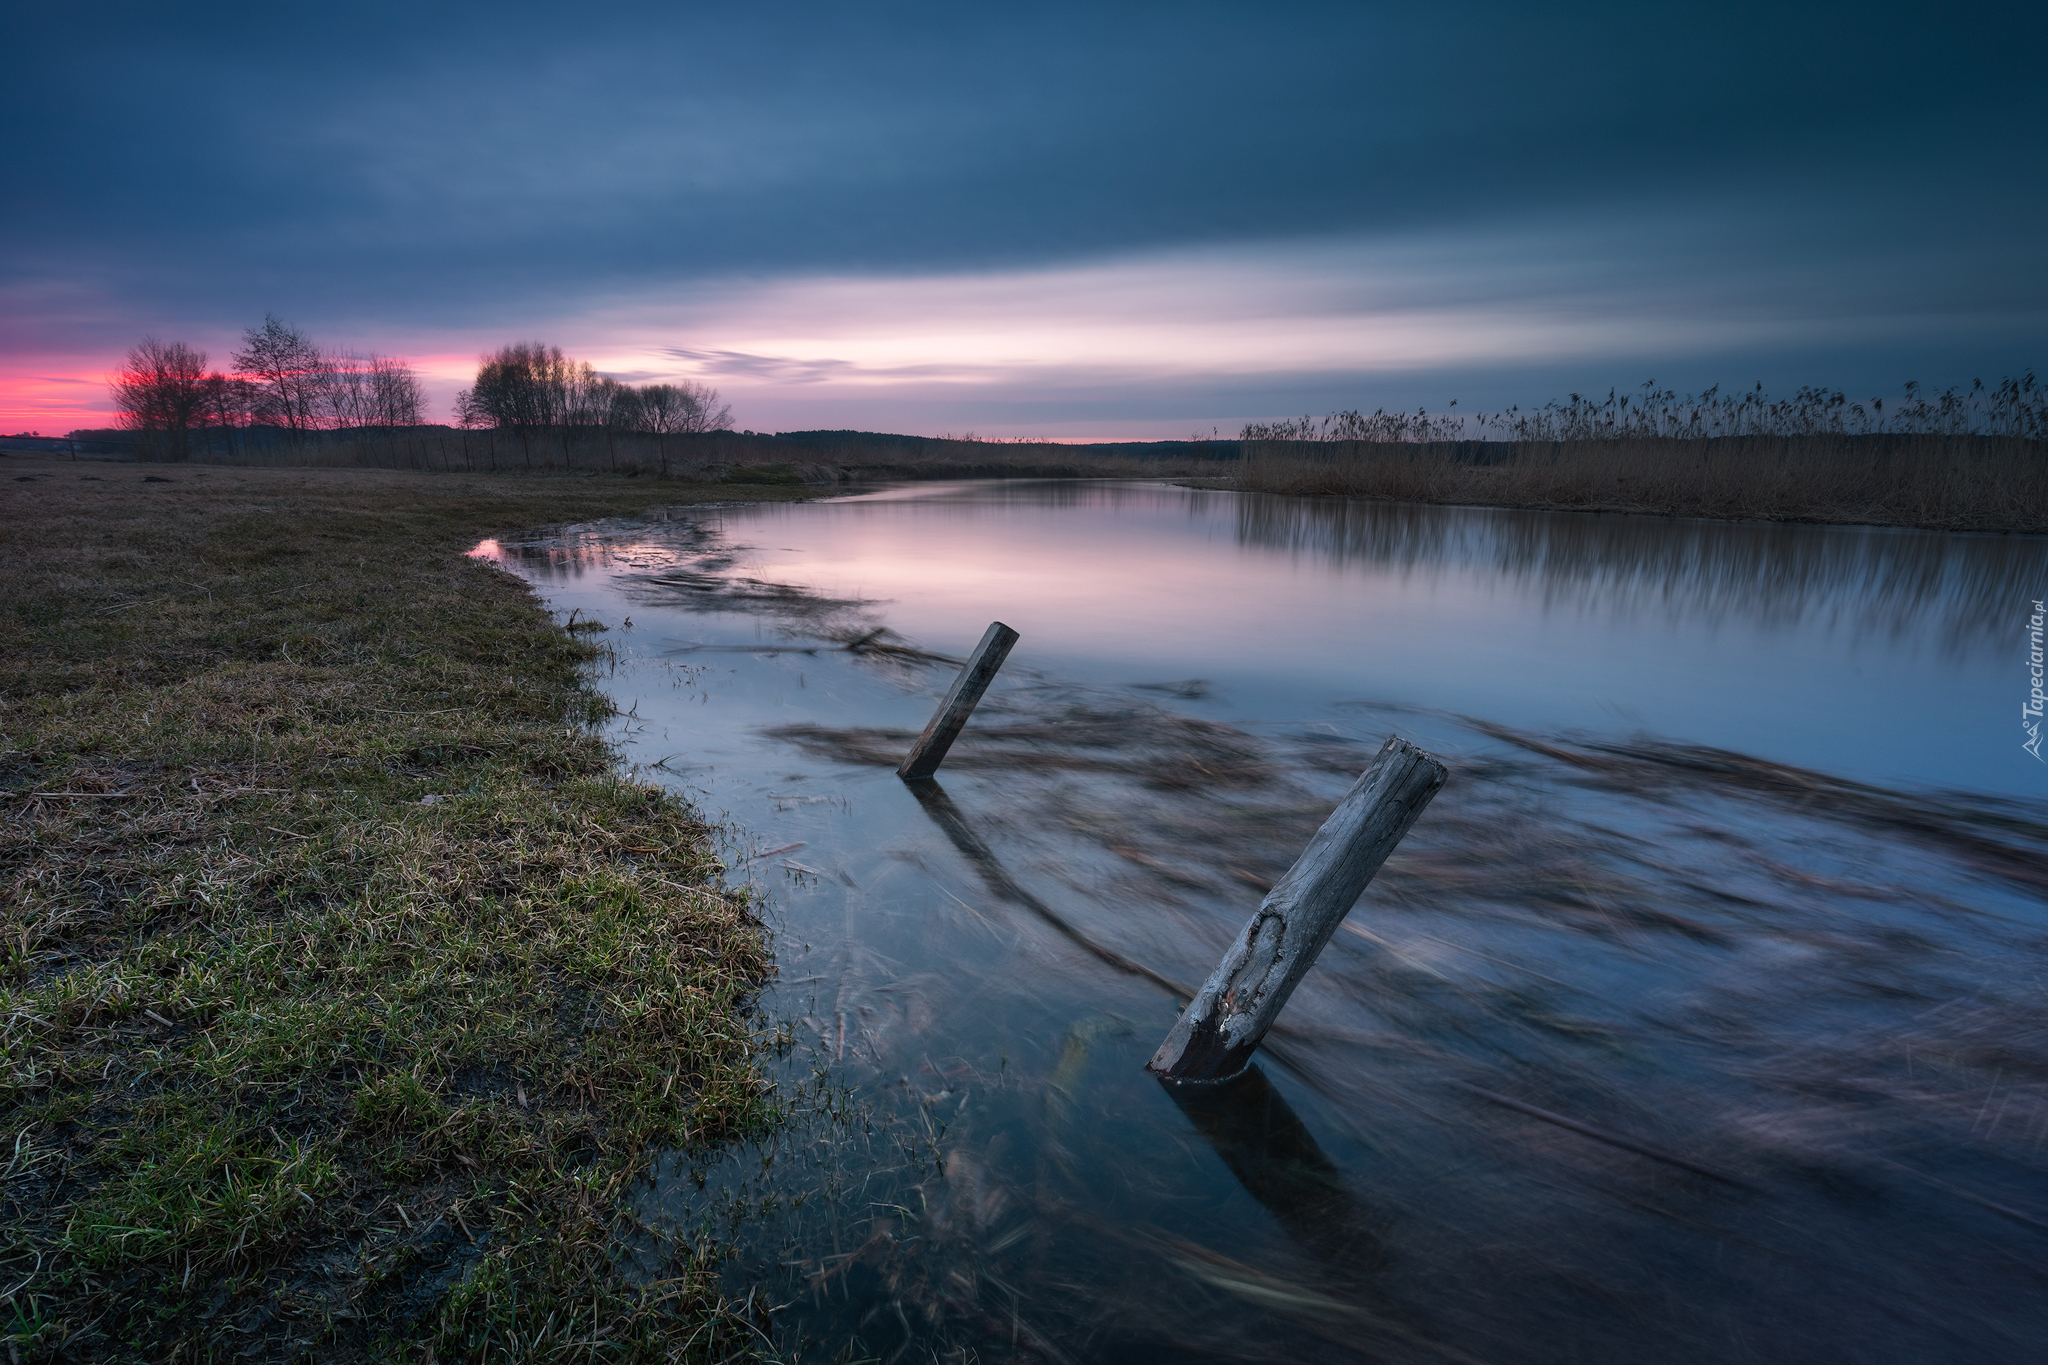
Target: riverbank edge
[
  {"x": 1670, "y": 511},
  {"x": 346, "y": 982}
]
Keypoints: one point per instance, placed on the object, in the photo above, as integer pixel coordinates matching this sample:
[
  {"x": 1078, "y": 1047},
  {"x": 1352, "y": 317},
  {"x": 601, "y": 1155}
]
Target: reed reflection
[
  {"x": 1898, "y": 583},
  {"x": 1954, "y": 591}
]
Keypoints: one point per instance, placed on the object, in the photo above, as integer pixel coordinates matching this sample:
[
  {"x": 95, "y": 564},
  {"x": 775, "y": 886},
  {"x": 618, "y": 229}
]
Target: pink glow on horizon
[
  {"x": 70, "y": 393},
  {"x": 944, "y": 353},
  {"x": 55, "y": 395}
]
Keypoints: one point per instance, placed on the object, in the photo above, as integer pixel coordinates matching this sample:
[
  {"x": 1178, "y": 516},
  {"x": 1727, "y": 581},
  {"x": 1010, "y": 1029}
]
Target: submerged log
[
  {"x": 930, "y": 750},
  {"x": 1224, "y": 1024}
]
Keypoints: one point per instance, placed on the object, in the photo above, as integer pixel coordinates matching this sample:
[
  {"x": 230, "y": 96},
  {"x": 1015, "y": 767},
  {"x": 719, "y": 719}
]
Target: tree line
[
  {"x": 279, "y": 378},
  {"x": 282, "y": 379},
  {"x": 528, "y": 386}
]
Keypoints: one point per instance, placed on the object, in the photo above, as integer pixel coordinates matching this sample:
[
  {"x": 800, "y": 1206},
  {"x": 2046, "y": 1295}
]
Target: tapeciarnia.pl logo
[{"x": 2030, "y": 714}]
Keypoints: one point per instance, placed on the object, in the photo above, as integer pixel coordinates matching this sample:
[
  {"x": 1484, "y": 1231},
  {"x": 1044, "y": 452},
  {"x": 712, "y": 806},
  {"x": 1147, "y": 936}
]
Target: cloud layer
[{"x": 1076, "y": 216}]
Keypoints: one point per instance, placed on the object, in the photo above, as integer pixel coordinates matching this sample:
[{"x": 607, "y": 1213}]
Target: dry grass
[
  {"x": 345, "y": 985},
  {"x": 720, "y": 457},
  {"x": 1960, "y": 483}
]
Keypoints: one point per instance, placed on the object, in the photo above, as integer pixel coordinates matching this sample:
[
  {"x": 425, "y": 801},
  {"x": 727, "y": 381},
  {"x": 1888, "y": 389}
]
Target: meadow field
[{"x": 345, "y": 980}]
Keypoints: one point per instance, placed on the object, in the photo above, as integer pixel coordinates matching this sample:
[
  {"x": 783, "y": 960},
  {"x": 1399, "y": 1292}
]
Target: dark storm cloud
[{"x": 471, "y": 166}]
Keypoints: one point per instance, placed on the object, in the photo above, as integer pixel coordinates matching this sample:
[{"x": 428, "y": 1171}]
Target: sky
[{"x": 1090, "y": 221}]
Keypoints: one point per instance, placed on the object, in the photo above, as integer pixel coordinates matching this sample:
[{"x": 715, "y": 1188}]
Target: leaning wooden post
[
  {"x": 1229, "y": 1016},
  {"x": 930, "y": 750}
]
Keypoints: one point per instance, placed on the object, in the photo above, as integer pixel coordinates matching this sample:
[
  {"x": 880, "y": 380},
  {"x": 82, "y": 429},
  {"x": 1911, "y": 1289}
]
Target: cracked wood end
[{"x": 1224, "y": 1024}]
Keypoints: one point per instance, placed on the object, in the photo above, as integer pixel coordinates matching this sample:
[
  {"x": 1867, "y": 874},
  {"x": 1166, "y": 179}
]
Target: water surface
[{"x": 1700, "y": 1018}]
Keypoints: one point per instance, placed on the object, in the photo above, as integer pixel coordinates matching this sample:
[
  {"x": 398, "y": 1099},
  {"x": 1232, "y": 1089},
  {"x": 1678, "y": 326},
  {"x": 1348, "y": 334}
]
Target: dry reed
[{"x": 1958, "y": 483}]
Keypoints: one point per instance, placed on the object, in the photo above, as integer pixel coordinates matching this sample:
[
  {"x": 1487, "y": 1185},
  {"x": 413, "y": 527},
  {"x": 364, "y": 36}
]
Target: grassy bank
[
  {"x": 344, "y": 984},
  {"x": 1959, "y": 483},
  {"x": 824, "y": 457}
]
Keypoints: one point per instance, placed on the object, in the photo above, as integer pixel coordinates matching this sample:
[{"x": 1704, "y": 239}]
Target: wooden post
[
  {"x": 930, "y": 750},
  {"x": 1229, "y": 1016}
]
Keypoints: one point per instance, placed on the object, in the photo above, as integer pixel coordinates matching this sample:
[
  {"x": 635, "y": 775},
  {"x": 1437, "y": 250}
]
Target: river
[{"x": 1700, "y": 1017}]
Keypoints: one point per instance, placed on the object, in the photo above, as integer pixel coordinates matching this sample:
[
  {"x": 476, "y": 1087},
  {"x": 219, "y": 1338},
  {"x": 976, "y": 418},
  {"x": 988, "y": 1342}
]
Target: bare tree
[
  {"x": 369, "y": 390},
  {"x": 587, "y": 395},
  {"x": 518, "y": 388},
  {"x": 290, "y": 373},
  {"x": 665, "y": 410},
  {"x": 230, "y": 403},
  {"x": 680, "y": 409},
  {"x": 527, "y": 386},
  {"x": 344, "y": 392},
  {"x": 163, "y": 389},
  {"x": 396, "y": 396},
  {"x": 470, "y": 413},
  {"x": 625, "y": 409},
  {"x": 523, "y": 386}
]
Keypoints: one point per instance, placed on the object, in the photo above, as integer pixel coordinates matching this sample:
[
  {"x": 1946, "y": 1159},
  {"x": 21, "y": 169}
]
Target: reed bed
[
  {"x": 1946, "y": 481},
  {"x": 1953, "y": 483}
]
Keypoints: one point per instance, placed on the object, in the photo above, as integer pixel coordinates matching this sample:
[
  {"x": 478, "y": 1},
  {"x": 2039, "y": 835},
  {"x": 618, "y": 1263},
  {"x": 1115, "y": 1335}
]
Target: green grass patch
[
  {"x": 295, "y": 1062},
  {"x": 773, "y": 475}
]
